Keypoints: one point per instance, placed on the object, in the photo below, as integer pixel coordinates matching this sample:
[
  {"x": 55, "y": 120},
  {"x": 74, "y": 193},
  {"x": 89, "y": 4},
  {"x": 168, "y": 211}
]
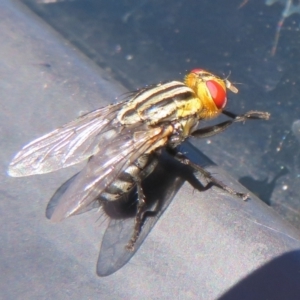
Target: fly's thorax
[
  {"x": 164, "y": 102},
  {"x": 182, "y": 130},
  {"x": 188, "y": 126}
]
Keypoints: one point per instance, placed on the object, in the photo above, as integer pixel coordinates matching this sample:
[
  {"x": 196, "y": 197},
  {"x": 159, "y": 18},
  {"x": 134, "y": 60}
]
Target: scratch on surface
[
  {"x": 247, "y": 217},
  {"x": 283, "y": 204},
  {"x": 290, "y": 7},
  {"x": 272, "y": 229}
]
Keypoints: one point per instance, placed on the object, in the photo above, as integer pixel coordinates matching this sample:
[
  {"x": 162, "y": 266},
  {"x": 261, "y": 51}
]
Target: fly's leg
[
  {"x": 213, "y": 130},
  {"x": 203, "y": 132},
  {"x": 208, "y": 176},
  {"x": 139, "y": 218},
  {"x": 218, "y": 128},
  {"x": 252, "y": 114},
  {"x": 141, "y": 206}
]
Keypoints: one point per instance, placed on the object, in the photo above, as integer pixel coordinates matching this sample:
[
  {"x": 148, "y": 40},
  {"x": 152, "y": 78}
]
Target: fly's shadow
[{"x": 159, "y": 188}]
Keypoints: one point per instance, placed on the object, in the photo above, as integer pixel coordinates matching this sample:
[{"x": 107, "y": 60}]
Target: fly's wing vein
[
  {"x": 67, "y": 145},
  {"x": 105, "y": 167}
]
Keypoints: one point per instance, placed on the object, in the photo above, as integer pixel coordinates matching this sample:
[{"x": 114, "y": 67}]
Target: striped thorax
[{"x": 201, "y": 96}]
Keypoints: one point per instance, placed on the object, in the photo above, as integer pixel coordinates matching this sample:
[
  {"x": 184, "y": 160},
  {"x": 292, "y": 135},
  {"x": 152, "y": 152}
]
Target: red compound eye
[{"x": 217, "y": 93}]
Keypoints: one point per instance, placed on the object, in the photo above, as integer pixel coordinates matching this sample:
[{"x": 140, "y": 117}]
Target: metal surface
[{"x": 205, "y": 245}]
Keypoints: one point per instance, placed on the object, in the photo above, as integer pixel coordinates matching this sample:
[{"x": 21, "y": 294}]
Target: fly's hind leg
[
  {"x": 139, "y": 218},
  {"x": 141, "y": 205}
]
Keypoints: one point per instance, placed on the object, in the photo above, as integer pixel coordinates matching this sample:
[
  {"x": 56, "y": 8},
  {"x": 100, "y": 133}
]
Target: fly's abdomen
[{"x": 123, "y": 184}]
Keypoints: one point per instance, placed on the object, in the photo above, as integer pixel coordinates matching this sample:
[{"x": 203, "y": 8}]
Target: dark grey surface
[{"x": 204, "y": 245}]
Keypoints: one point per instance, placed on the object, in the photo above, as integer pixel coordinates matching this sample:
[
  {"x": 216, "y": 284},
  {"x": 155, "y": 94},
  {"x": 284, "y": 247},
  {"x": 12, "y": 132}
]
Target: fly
[{"x": 122, "y": 142}]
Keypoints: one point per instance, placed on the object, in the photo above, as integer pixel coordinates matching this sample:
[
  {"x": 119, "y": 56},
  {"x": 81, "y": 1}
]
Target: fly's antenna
[{"x": 229, "y": 85}]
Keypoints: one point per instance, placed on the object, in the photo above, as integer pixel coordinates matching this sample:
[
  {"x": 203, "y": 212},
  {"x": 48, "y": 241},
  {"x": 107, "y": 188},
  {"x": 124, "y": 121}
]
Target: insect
[{"x": 122, "y": 142}]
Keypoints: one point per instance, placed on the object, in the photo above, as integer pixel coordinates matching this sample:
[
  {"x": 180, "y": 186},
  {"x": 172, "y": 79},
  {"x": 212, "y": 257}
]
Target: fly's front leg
[
  {"x": 213, "y": 130},
  {"x": 252, "y": 114},
  {"x": 208, "y": 176},
  {"x": 218, "y": 128},
  {"x": 139, "y": 218}
]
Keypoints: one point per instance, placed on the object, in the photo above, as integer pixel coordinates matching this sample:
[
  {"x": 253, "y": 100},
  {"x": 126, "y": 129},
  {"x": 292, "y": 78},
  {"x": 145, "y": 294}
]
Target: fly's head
[{"x": 210, "y": 90}]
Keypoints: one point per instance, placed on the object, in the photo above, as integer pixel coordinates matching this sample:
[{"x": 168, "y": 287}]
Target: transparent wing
[
  {"x": 67, "y": 145},
  {"x": 105, "y": 166},
  {"x": 160, "y": 188}
]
